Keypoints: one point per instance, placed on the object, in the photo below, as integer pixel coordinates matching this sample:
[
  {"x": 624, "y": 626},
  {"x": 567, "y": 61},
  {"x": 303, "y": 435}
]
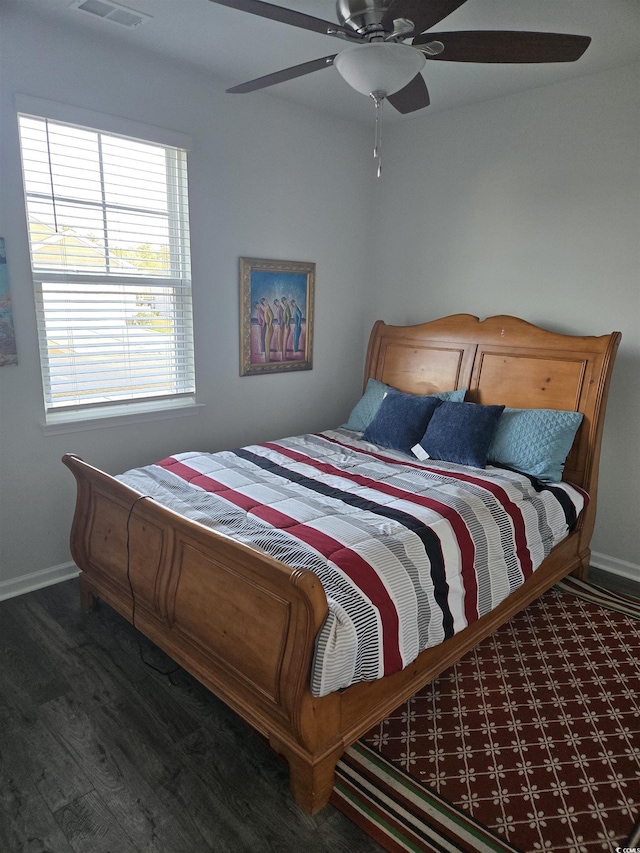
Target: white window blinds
[{"x": 109, "y": 237}]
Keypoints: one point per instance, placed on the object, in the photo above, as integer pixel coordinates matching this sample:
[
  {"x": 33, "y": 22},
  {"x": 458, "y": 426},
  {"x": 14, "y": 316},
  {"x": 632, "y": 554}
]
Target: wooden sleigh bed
[{"x": 245, "y": 624}]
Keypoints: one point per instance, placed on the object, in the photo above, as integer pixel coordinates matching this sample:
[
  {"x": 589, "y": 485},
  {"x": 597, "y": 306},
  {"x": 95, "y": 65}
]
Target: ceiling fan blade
[
  {"x": 289, "y": 16},
  {"x": 501, "y": 46},
  {"x": 414, "y": 96},
  {"x": 424, "y": 14},
  {"x": 281, "y": 76}
]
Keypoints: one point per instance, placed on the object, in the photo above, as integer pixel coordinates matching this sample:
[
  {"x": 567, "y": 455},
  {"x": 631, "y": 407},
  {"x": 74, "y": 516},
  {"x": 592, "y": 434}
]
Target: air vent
[{"x": 112, "y": 12}]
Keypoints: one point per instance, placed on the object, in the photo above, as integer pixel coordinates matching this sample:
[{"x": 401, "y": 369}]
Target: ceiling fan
[{"x": 382, "y": 63}]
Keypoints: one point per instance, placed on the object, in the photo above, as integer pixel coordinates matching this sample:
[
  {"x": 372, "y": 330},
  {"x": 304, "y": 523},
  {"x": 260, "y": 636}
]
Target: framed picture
[
  {"x": 8, "y": 353},
  {"x": 276, "y": 315}
]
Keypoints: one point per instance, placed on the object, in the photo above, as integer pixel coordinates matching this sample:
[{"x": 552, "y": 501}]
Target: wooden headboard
[{"x": 504, "y": 360}]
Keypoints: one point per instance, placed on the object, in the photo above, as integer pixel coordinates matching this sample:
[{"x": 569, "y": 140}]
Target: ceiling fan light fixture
[{"x": 382, "y": 67}]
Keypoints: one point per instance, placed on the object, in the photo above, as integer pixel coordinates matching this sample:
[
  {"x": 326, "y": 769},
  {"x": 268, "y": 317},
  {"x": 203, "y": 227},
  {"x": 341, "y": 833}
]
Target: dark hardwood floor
[{"x": 101, "y": 754}]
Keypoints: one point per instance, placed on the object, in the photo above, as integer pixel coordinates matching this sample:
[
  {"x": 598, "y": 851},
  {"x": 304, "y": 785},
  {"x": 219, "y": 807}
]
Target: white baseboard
[
  {"x": 615, "y": 566},
  {"x": 66, "y": 571},
  {"x": 38, "y": 580}
]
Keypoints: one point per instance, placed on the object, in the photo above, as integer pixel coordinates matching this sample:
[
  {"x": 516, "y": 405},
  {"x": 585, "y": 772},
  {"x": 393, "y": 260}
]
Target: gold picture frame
[{"x": 276, "y": 315}]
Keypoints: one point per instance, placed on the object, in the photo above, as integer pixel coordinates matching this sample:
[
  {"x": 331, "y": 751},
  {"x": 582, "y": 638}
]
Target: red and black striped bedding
[{"x": 408, "y": 553}]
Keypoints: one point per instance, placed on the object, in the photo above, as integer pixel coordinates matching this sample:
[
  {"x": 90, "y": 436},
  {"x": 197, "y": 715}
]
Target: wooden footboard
[
  {"x": 245, "y": 624},
  {"x": 242, "y": 623}
]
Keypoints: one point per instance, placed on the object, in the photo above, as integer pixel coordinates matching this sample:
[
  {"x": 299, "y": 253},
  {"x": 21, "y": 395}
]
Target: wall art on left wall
[
  {"x": 8, "y": 352},
  {"x": 276, "y": 315}
]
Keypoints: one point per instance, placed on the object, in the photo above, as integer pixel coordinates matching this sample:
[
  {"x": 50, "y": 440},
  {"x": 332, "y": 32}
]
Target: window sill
[{"x": 76, "y": 422}]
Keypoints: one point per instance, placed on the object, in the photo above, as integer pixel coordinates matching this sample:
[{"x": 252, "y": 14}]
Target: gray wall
[
  {"x": 266, "y": 180},
  {"x": 526, "y": 205},
  {"x": 530, "y": 205}
]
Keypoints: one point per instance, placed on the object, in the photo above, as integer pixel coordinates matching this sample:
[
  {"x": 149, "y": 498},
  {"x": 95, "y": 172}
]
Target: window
[{"x": 109, "y": 238}]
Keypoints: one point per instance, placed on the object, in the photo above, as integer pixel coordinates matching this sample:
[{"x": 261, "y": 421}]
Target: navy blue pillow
[
  {"x": 460, "y": 432},
  {"x": 401, "y": 420}
]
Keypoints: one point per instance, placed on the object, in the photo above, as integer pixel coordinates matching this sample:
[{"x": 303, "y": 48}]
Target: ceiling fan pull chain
[{"x": 378, "y": 98}]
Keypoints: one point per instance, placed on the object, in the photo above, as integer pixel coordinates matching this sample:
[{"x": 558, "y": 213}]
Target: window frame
[{"x": 96, "y": 414}]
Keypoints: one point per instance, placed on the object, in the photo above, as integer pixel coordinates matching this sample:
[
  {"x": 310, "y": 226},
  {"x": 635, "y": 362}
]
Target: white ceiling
[{"x": 236, "y": 47}]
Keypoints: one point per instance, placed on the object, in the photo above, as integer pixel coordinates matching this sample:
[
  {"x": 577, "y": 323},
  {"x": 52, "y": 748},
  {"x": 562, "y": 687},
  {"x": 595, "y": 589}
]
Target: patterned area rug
[{"x": 530, "y": 743}]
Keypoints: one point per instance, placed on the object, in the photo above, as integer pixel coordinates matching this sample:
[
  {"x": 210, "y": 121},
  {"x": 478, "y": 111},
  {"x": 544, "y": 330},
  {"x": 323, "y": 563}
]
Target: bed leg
[
  {"x": 311, "y": 782},
  {"x": 582, "y": 571},
  {"x": 88, "y": 598}
]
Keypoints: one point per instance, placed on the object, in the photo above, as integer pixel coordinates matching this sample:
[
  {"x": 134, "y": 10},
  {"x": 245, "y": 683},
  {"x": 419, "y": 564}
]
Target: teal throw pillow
[
  {"x": 365, "y": 409},
  {"x": 534, "y": 441}
]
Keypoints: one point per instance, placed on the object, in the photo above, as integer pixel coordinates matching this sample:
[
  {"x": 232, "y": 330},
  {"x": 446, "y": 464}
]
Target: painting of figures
[
  {"x": 8, "y": 353},
  {"x": 276, "y": 319}
]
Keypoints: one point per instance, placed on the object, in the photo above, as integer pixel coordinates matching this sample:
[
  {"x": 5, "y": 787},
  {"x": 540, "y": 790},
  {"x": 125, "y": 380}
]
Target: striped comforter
[{"x": 408, "y": 553}]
